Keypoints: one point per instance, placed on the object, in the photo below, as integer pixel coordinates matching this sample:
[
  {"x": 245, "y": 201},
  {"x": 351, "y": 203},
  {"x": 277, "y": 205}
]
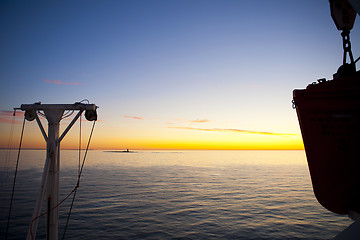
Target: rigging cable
[
  {"x": 13, "y": 187},
  {"x": 78, "y": 180},
  {"x": 357, "y": 59},
  {"x": 79, "y": 144},
  {"x": 41, "y": 113},
  {"x": 5, "y": 165},
  {"x": 9, "y": 146},
  {"x": 49, "y": 210},
  {"x": 68, "y": 113}
]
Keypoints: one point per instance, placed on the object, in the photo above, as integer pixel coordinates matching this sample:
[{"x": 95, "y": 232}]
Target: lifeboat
[{"x": 329, "y": 118}]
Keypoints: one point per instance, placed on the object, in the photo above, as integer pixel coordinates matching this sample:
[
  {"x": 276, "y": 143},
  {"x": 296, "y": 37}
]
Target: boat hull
[{"x": 329, "y": 118}]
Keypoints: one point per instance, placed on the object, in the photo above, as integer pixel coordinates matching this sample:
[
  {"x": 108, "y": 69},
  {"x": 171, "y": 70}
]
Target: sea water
[{"x": 173, "y": 195}]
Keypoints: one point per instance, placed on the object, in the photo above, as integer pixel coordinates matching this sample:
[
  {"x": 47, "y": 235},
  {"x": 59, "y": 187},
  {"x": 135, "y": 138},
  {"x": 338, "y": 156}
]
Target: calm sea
[{"x": 174, "y": 195}]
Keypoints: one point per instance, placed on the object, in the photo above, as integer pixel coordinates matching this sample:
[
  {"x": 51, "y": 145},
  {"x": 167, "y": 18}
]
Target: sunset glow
[{"x": 166, "y": 74}]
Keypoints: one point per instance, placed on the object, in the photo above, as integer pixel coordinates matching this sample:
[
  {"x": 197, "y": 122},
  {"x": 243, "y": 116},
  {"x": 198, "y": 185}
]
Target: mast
[{"x": 49, "y": 188}]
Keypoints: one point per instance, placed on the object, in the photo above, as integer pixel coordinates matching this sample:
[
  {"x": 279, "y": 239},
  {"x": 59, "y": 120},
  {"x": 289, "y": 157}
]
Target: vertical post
[
  {"x": 52, "y": 188},
  {"x": 34, "y": 222},
  {"x": 50, "y": 178}
]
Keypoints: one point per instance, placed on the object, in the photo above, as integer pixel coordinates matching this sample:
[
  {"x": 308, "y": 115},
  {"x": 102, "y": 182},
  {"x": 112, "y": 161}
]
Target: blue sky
[{"x": 154, "y": 65}]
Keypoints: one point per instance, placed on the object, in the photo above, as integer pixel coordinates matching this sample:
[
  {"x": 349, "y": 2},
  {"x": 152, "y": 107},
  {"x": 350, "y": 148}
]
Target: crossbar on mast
[{"x": 75, "y": 106}]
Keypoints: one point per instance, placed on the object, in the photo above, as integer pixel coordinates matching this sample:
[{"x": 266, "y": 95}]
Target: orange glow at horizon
[
  {"x": 207, "y": 142},
  {"x": 104, "y": 143},
  {"x": 160, "y": 138}
]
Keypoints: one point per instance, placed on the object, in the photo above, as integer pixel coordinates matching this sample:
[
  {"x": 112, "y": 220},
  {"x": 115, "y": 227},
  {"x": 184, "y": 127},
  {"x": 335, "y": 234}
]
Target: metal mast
[{"x": 49, "y": 189}]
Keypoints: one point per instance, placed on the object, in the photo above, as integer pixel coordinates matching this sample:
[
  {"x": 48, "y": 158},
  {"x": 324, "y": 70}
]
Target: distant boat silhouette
[{"x": 121, "y": 151}]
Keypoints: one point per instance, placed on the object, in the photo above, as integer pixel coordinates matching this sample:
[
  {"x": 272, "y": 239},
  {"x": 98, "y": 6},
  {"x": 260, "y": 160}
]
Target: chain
[{"x": 347, "y": 46}]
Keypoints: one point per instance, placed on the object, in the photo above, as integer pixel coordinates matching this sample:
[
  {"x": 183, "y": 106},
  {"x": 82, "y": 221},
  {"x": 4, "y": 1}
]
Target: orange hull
[{"x": 329, "y": 117}]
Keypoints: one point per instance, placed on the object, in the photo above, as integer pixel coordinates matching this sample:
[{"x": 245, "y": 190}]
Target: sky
[{"x": 214, "y": 74}]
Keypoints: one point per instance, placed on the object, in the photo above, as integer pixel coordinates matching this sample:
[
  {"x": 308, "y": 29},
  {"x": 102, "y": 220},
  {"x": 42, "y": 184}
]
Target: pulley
[
  {"x": 30, "y": 114},
  {"x": 91, "y": 115},
  {"x": 343, "y": 14}
]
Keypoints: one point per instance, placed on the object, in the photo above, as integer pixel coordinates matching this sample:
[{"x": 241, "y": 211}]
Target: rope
[
  {"x": 357, "y": 59},
  {"x": 51, "y": 209},
  {"x": 13, "y": 186},
  {"x": 9, "y": 146},
  {"x": 79, "y": 144},
  {"x": 78, "y": 181},
  {"x": 5, "y": 166}
]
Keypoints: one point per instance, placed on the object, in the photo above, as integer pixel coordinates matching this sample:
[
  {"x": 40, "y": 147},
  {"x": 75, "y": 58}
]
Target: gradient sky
[{"x": 168, "y": 74}]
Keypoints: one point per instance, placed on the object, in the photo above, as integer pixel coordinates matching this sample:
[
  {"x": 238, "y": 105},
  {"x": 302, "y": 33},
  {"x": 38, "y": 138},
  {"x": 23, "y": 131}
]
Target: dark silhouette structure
[{"x": 329, "y": 118}]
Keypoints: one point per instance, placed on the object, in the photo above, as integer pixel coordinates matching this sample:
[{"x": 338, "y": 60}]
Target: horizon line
[{"x": 167, "y": 149}]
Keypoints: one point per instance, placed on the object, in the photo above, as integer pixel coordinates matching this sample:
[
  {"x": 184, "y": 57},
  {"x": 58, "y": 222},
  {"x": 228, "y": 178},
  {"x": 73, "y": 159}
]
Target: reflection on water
[{"x": 180, "y": 194}]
